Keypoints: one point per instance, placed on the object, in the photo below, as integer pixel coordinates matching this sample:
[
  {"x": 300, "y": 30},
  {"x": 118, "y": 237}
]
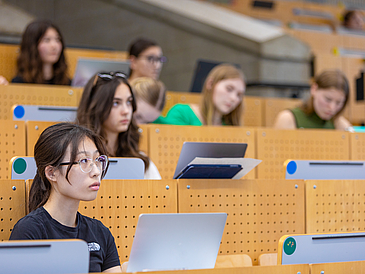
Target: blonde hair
[
  {"x": 207, "y": 107},
  {"x": 326, "y": 80},
  {"x": 149, "y": 90}
]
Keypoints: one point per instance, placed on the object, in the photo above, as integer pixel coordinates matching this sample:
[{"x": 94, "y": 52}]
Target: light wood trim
[
  {"x": 259, "y": 211},
  {"x": 338, "y": 268},
  {"x": 12, "y": 205},
  {"x": 268, "y": 259},
  {"x": 233, "y": 260}
]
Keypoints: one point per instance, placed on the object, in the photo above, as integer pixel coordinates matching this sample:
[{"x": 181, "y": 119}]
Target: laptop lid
[
  {"x": 191, "y": 150},
  {"x": 86, "y": 68},
  {"x": 44, "y": 256},
  {"x": 202, "y": 69},
  {"x": 176, "y": 241}
]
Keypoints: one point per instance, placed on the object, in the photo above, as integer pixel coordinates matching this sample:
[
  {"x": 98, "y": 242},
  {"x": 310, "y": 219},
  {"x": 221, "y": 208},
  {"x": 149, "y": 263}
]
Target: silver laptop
[
  {"x": 86, "y": 68},
  {"x": 44, "y": 256},
  {"x": 176, "y": 241},
  {"x": 191, "y": 150}
]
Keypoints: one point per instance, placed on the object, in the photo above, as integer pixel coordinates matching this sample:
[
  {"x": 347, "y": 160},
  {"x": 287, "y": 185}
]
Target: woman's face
[
  {"x": 81, "y": 186},
  {"x": 327, "y": 102},
  {"x": 145, "y": 113},
  {"x": 121, "y": 112},
  {"x": 228, "y": 94},
  {"x": 147, "y": 64},
  {"x": 50, "y": 47}
]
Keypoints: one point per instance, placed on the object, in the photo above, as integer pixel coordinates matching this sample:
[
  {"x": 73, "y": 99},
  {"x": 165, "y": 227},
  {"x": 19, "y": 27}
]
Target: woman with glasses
[
  {"x": 146, "y": 59},
  {"x": 70, "y": 162},
  {"x": 41, "y": 59},
  {"x": 221, "y": 102},
  {"x": 107, "y": 107}
]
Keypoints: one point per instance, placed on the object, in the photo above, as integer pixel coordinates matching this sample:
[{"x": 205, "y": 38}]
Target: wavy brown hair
[
  {"x": 50, "y": 149},
  {"x": 217, "y": 74},
  {"x": 94, "y": 109},
  {"x": 326, "y": 80},
  {"x": 29, "y": 62}
]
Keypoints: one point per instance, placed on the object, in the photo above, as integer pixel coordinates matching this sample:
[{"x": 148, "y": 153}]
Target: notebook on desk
[
  {"x": 191, "y": 150},
  {"x": 176, "y": 241},
  {"x": 86, "y": 68}
]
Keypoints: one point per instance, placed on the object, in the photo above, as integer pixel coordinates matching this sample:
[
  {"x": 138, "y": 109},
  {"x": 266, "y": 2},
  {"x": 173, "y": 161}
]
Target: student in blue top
[{"x": 71, "y": 162}]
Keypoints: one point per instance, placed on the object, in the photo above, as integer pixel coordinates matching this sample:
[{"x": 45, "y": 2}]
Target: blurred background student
[
  {"x": 146, "y": 59},
  {"x": 107, "y": 107},
  {"x": 41, "y": 59},
  {"x": 222, "y": 101},
  {"x": 150, "y": 95},
  {"x": 353, "y": 20},
  {"x": 328, "y": 97}
]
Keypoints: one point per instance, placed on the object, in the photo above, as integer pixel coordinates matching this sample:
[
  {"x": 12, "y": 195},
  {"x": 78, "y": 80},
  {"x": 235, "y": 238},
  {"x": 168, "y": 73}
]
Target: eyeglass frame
[
  {"x": 93, "y": 162},
  {"x": 153, "y": 60}
]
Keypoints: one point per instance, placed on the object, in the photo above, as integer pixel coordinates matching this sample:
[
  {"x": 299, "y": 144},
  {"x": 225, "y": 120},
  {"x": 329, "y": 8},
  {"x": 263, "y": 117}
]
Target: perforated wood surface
[
  {"x": 34, "y": 129},
  {"x": 357, "y": 144},
  {"x": 274, "y": 105},
  {"x": 12, "y": 143},
  {"x": 335, "y": 206},
  {"x": 120, "y": 202},
  {"x": 253, "y": 111},
  {"x": 259, "y": 211},
  {"x": 276, "y": 146},
  {"x": 165, "y": 142},
  {"x": 143, "y": 141},
  {"x": 12, "y": 205},
  {"x": 42, "y": 95}
]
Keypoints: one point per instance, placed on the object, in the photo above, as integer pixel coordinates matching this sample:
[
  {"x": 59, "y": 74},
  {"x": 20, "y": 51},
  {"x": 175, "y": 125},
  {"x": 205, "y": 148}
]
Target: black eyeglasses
[
  {"x": 86, "y": 164},
  {"x": 155, "y": 59}
]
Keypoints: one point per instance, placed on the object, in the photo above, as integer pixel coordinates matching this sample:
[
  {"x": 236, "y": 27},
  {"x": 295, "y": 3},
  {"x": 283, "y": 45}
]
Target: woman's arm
[
  {"x": 285, "y": 120},
  {"x": 341, "y": 123},
  {"x": 115, "y": 269}
]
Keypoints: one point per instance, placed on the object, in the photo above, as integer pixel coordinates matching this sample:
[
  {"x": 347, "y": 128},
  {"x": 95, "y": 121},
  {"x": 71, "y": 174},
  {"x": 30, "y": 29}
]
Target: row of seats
[
  {"x": 163, "y": 144},
  {"x": 259, "y": 211}
]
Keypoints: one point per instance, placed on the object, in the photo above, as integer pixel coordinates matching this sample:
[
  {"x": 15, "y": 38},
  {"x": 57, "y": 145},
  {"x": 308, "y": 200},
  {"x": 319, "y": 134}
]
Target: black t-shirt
[
  {"x": 20, "y": 80},
  {"x": 40, "y": 225}
]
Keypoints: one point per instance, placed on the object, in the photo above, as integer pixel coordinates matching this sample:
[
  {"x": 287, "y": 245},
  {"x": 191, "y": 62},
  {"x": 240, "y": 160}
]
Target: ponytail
[{"x": 39, "y": 192}]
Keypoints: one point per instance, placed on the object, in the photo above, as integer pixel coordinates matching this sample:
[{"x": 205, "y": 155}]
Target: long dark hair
[
  {"x": 50, "y": 149},
  {"x": 29, "y": 62},
  {"x": 138, "y": 46},
  {"x": 94, "y": 109}
]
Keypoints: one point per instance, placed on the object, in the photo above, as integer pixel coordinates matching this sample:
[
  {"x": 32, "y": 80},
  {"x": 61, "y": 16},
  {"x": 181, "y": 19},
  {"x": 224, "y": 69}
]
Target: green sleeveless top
[{"x": 303, "y": 120}]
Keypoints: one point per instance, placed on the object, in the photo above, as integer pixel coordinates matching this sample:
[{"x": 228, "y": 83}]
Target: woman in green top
[
  {"x": 221, "y": 103},
  {"x": 329, "y": 95}
]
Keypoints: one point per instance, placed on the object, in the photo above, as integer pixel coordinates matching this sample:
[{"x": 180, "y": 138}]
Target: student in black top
[
  {"x": 41, "y": 59},
  {"x": 71, "y": 162}
]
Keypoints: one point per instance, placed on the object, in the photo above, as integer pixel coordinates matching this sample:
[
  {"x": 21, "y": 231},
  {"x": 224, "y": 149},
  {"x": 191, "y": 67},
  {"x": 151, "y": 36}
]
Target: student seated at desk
[
  {"x": 221, "y": 103},
  {"x": 71, "y": 162},
  {"x": 329, "y": 95},
  {"x": 146, "y": 59},
  {"x": 353, "y": 20},
  {"x": 107, "y": 107},
  {"x": 41, "y": 59},
  {"x": 150, "y": 97}
]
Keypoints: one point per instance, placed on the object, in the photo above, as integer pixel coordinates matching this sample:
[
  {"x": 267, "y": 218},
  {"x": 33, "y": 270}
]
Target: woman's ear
[
  {"x": 314, "y": 88},
  {"x": 50, "y": 173},
  {"x": 132, "y": 62},
  {"x": 209, "y": 84}
]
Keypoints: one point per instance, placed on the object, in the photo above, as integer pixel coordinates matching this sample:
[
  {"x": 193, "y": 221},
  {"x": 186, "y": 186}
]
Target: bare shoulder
[
  {"x": 341, "y": 123},
  {"x": 285, "y": 120}
]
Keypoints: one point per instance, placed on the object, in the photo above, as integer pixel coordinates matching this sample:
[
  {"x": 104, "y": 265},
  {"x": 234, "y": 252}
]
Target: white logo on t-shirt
[{"x": 93, "y": 247}]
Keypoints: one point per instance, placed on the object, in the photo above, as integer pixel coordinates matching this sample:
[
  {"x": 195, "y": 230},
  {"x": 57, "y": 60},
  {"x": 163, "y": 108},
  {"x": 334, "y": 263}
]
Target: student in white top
[{"x": 107, "y": 106}]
